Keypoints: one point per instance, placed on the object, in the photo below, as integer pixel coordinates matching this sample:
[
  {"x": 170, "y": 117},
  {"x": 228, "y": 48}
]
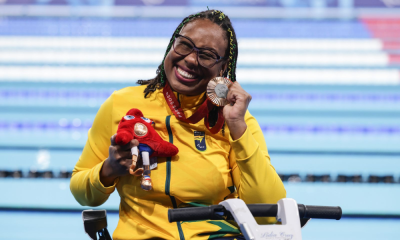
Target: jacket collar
[{"x": 188, "y": 102}]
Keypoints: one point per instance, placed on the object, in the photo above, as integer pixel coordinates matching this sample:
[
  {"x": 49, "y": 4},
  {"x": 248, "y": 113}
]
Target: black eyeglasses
[{"x": 206, "y": 57}]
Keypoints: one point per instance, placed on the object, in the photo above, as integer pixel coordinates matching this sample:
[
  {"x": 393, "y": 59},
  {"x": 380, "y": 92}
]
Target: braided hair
[{"x": 221, "y": 20}]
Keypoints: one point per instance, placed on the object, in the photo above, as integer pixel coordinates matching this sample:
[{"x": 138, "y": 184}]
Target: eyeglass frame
[{"x": 219, "y": 58}]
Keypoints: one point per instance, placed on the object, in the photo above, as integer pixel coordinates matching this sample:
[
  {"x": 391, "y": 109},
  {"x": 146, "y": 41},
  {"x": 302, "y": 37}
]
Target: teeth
[{"x": 185, "y": 74}]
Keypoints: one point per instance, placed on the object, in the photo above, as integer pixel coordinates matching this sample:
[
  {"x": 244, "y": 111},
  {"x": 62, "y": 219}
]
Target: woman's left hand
[{"x": 234, "y": 112}]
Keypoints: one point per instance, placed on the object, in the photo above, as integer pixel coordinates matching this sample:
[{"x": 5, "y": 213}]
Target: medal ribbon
[{"x": 202, "y": 111}]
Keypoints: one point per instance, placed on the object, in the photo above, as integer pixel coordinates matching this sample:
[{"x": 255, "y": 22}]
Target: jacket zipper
[{"x": 168, "y": 179}]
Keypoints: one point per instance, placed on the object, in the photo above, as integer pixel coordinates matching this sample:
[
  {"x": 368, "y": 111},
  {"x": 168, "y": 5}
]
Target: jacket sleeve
[
  {"x": 255, "y": 179},
  {"x": 85, "y": 183}
]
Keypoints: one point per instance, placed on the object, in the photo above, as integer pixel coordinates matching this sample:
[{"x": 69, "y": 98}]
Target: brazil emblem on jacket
[{"x": 200, "y": 140}]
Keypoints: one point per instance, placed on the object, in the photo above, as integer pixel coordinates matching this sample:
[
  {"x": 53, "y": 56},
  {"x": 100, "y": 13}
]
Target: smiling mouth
[{"x": 185, "y": 74}]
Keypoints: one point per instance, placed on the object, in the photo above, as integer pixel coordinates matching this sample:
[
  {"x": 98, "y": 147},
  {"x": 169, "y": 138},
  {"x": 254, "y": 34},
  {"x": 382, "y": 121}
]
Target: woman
[{"x": 210, "y": 167}]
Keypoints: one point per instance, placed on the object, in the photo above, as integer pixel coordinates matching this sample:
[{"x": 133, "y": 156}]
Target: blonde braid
[
  {"x": 221, "y": 14},
  {"x": 231, "y": 53}
]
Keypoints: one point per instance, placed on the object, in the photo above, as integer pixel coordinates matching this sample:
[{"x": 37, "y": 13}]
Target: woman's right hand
[{"x": 119, "y": 162}]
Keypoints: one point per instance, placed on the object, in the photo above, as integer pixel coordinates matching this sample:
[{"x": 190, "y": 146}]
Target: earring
[{"x": 221, "y": 73}]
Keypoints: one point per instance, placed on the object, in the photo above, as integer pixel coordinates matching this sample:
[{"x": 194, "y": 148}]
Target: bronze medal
[
  {"x": 217, "y": 91},
  {"x": 140, "y": 129}
]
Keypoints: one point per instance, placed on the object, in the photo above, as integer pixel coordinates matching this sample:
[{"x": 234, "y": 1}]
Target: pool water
[{"x": 69, "y": 225}]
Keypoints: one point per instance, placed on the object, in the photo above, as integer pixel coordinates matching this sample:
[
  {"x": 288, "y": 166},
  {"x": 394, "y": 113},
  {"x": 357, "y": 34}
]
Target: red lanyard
[{"x": 202, "y": 111}]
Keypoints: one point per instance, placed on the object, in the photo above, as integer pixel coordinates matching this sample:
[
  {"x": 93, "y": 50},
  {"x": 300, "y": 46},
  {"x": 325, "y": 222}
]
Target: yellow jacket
[{"x": 194, "y": 177}]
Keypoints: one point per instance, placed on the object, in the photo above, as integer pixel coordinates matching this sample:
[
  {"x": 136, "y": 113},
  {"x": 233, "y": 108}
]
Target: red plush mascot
[{"x": 135, "y": 126}]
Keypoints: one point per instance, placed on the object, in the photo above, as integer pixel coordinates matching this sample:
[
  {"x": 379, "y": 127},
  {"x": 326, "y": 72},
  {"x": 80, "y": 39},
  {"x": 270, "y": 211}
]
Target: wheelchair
[{"x": 292, "y": 216}]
